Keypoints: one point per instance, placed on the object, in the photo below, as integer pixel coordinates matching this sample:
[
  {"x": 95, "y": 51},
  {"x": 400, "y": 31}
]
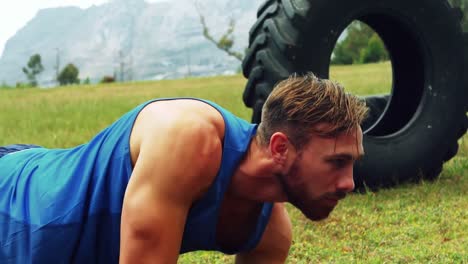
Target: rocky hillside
[{"x": 131, "y": 39}]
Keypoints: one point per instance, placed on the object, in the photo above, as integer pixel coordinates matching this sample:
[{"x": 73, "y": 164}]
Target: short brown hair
[{"x": 298, "y": 104}]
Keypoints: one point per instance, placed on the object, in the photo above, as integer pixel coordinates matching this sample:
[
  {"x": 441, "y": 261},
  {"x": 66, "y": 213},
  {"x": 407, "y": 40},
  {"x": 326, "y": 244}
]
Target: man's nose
[{"x": 346, "y": 181}]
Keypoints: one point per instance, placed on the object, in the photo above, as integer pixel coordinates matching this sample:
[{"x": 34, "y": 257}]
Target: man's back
[{"x": 66, "y": 197}]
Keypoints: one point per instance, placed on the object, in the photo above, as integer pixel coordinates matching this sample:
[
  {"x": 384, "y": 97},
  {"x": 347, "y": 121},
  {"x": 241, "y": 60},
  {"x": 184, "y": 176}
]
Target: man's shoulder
[
  {"x": 181, "y": 128},
  {"x": 183, "y": 113},
  {"x": 191, "y": 121}
]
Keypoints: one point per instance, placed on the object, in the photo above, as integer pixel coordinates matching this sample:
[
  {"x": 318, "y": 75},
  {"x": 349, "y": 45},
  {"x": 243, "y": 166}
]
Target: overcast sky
[{"x": 14, "y": 14}]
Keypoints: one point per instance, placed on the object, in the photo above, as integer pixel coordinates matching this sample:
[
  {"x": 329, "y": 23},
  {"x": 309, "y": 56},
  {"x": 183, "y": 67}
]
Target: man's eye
[{"x": 339, "y": 163}]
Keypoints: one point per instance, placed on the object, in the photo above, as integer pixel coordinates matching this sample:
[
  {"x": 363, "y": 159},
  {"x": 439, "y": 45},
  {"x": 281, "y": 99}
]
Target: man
[{"x": 178, "y": 175}]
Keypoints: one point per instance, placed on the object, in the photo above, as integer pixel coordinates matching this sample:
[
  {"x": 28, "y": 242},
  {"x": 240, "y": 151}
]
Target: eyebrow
[{"x": 345, "y": 156}]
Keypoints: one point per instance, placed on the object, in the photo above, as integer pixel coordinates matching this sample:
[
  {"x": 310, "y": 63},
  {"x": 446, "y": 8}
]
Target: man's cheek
[
  {"x": 294, "y": 182},
  {"x": 294, "y": 178}
]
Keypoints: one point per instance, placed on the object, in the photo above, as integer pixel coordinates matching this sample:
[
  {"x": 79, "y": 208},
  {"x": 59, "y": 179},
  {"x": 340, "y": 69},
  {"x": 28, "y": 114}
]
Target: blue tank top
[{"x": 64, "y": 205}]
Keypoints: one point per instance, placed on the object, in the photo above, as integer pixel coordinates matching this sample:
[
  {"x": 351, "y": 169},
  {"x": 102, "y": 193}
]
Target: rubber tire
[{"x": 426, "y": 113}]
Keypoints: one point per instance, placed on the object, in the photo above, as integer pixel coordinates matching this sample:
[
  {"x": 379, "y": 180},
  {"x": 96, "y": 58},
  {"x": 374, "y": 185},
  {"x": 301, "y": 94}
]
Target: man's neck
[{"x": 254, "y": 180}]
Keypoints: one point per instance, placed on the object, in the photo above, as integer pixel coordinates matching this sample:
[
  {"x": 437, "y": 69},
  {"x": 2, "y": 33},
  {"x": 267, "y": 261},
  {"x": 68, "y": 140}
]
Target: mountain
[{"x": 131, "y": 39}]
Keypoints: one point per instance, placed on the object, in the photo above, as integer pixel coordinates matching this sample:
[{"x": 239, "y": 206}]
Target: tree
[
  {"x": 341, "y": 56},
  {"x": 226, "y": 42},
  {"x": 375, "y": 50},
  {"x": 33, "y": 68},
  {"x": 69, "y": 75},
  {"x": 352, "y": 49},
  {"x": 107, "y": 79}
]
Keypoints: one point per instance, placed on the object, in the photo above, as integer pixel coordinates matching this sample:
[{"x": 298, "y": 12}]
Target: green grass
[
  {"x": 418, "y": 223},
  {"x": 364, "y": 79}
]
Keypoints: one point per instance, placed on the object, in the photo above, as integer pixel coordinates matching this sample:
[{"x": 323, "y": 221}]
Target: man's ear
[{"x": 280, "y": 147}]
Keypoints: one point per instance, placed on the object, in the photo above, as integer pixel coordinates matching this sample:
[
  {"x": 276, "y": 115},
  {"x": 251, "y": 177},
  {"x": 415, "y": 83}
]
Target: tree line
[{"x": 68, "y": 75}]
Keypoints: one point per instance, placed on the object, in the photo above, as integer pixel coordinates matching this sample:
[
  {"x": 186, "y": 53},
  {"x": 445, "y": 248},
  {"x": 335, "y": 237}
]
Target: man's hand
[
  {"x": 178, "y": 158},
  {"x": 275, "y": 243}
]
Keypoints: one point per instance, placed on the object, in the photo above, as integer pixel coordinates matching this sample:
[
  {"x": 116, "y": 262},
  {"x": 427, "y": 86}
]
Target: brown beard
[{"x": 314, "y": 209}]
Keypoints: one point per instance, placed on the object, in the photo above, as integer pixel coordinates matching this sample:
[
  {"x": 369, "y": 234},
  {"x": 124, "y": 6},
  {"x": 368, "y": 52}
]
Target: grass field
[{"x": 418, "y": 223}]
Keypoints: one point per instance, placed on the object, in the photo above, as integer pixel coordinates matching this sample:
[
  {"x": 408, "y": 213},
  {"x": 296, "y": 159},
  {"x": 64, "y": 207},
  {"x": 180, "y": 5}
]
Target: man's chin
[{"x": 317, "y": 213}]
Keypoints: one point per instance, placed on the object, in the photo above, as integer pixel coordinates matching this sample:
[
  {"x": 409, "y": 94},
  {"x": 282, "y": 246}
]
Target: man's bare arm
[
  {"x": 170, "y": 173},
  {"x": 274, "y": 246}
]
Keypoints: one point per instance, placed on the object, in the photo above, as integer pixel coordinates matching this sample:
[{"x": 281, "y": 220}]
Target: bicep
[
  {"x": 165, "y": 181},
  {"x": 153, "y": 214}
]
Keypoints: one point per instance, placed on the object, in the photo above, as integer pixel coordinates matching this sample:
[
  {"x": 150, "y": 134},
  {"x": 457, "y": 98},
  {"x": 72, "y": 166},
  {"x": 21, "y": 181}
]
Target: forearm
[
  {"x": 147, "y": 236},
  {"x": 146, "y": 249},
  {"x": 274, "y": 246}
]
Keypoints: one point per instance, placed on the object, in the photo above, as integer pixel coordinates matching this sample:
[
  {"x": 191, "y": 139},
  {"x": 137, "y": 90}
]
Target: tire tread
[{"x": 271, "y": 48}]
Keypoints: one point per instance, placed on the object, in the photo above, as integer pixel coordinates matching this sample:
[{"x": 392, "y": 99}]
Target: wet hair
[{"x": 298, "y": 104}]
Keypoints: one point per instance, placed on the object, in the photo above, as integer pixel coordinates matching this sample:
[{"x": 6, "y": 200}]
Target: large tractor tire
[{"x": 417, "y": 130}]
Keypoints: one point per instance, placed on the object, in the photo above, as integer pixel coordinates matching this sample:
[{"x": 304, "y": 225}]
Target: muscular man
[{"x": 179, "y": 175}]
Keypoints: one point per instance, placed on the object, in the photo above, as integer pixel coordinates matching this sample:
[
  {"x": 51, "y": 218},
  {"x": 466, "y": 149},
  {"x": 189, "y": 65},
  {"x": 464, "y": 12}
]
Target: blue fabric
[
  {"x": 64, "y": 205},
  {"x": 200, "y": 228},
  {"x": 14, "y": 148}
]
